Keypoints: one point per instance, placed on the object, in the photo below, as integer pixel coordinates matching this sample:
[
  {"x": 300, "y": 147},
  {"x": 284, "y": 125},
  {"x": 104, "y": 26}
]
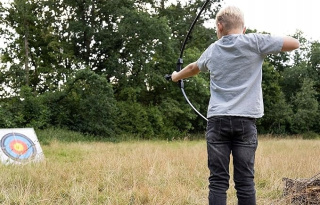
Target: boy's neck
[
  {"x": 235, "y": 31},
  {"x": 221, "y": 32}
]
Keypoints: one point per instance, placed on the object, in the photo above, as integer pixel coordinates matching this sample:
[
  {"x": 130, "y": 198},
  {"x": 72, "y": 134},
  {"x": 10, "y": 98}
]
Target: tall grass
[{"x": 146, "y": 172}]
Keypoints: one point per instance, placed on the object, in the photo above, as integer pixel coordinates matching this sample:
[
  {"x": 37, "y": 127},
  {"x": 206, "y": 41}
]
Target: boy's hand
[{"x": 174, "y": 76}]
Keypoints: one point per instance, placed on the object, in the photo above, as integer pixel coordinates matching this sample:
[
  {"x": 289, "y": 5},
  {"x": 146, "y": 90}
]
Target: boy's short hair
[{"x": 231, "y": 17}]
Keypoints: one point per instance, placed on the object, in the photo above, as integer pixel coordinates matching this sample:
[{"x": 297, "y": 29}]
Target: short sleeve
[
  {"x": 203, "y": 60},
  {"x": 268, "y": 44}
]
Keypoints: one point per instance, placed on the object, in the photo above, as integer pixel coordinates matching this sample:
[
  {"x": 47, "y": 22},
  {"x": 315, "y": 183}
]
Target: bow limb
[
  {"x": 180, "y": 60},
  {"x": 191, "y": 28}
]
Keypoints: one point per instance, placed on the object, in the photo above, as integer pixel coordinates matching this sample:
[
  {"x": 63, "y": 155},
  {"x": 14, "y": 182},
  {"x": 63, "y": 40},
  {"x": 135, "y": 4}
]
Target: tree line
[{"x": 98, "y": 67}]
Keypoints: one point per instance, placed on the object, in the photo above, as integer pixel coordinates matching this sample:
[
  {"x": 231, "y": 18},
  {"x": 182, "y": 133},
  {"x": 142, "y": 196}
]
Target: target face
[{"x": 19, "y": 146}]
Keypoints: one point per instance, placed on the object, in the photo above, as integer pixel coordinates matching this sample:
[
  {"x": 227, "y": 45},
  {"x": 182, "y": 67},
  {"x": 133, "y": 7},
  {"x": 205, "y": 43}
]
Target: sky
[
  {"x": 278, "y": 17},
  {"x": 281, "y": 17}
]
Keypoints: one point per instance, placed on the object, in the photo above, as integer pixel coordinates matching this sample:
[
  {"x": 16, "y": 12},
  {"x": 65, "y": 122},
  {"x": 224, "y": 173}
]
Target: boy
[{"x": 235, "y": 66}]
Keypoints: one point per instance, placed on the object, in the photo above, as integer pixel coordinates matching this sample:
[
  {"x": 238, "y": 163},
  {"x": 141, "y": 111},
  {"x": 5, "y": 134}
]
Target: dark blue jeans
[{"x": 228, "y": 135}]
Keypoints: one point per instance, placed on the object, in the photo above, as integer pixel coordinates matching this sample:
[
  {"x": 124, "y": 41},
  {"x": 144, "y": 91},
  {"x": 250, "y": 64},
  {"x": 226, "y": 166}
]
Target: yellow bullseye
[{"x": 18, "y": 147}]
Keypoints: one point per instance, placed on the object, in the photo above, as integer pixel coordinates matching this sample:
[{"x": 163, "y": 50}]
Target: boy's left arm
[
  {"x": 188, "y": 71},
  {"x": 290, "y": 43}
]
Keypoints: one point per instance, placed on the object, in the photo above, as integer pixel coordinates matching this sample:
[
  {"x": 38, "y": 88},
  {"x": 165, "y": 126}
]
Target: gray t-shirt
[{"x": 235, "y": 66}]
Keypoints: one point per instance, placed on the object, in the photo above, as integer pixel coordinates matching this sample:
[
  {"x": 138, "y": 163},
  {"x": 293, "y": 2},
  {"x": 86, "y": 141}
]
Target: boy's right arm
[
  {"x": 188, "y": 71},
  {"x": 290, "y": 44}
]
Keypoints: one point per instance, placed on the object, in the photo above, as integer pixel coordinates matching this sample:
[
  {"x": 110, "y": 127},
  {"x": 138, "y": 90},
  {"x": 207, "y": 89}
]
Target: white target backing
[{"x": 19, "y": 146}]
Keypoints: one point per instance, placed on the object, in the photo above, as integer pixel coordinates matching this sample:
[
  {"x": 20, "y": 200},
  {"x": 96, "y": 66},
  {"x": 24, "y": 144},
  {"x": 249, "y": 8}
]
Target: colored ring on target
[{"x": 18, "y": 147}]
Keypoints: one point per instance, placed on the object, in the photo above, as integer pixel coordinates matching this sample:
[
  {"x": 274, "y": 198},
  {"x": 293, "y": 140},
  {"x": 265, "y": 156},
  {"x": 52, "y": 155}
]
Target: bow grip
[
  {"x": 168, "y": 77},
  {"x": 179, "y": 64}
]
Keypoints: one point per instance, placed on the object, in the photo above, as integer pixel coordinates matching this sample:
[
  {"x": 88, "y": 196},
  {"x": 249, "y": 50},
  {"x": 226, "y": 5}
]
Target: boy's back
[{"x": 235, "y": 63}]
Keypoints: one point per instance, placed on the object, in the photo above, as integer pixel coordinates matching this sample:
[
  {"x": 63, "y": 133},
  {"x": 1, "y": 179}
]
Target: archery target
[{"x": 19, "y": 146}]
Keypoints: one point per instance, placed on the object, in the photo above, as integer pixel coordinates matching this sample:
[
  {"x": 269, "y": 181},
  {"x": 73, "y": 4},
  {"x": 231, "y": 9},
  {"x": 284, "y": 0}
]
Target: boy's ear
[
  {"x": 220, "y": 27},
  {"x": 244, "y": 30}
]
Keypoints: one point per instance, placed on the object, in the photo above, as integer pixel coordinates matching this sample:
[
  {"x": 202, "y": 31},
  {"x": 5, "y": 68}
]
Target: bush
[
  {"x": 85, "y": 104},
  {"x": 133, "y": 119},
  {"x": 310, "y": 135},
  {"x": 26, "y": 110},
  {"x": 46, "y": 136},
  {"x": 88, "y": 104}
]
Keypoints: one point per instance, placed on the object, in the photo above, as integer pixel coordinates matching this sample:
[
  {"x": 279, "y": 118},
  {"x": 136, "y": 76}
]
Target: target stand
[{"x": 19, "y": 146}]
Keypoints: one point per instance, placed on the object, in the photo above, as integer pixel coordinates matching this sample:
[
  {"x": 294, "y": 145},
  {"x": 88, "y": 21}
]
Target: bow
[{"x": 180, "y": 60}]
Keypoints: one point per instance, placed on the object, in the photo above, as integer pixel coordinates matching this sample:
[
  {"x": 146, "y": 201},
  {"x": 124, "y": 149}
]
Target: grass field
[{"x": 146, "y": 172}]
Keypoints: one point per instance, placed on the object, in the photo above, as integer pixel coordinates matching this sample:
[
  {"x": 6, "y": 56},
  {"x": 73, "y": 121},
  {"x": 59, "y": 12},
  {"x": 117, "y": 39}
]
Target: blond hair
[{"x": 231, "y": 17}]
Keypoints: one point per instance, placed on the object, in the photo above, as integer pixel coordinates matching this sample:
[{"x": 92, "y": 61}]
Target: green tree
[
  {"x": 277, "y": 111},
  {"x": 292, "y": 79},
  {"x": 21, "y": 17},
  {"x": 315, "y": 56},
  {"x": 34, "y": 54},
  {"x": 305, "y": 108},
  {"x": 314, "y": 65},
  {"x": 87, "y": 103}
]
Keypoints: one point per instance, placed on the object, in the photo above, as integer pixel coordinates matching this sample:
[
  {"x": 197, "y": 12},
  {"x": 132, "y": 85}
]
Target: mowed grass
[{"x": 147, "y": 172}]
